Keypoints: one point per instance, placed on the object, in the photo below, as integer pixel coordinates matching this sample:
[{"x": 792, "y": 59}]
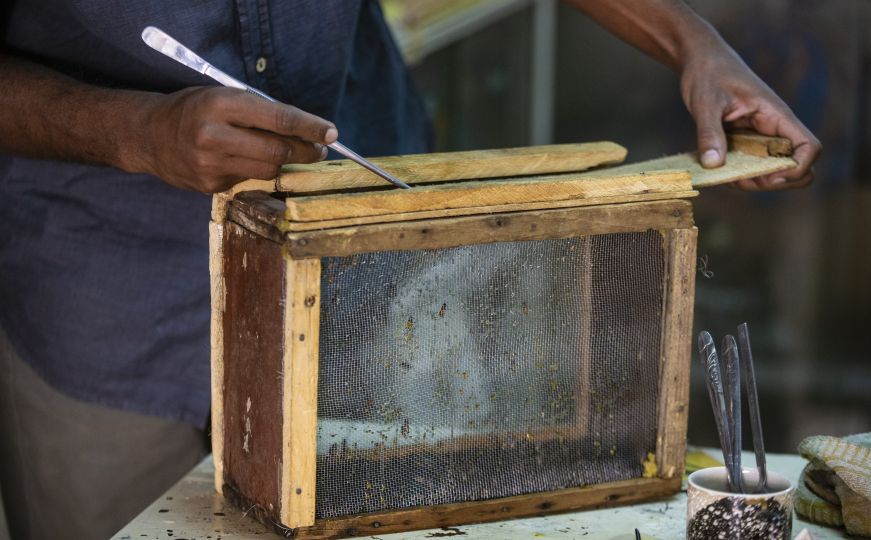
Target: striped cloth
[{"x": 835, "y": 487}]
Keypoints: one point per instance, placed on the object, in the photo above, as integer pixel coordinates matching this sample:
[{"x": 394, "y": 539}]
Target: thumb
[{"x": 711, "y": 138}]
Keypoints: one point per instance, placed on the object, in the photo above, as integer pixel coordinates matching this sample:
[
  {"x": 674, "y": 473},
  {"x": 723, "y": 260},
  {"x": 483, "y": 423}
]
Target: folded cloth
[{"x": 835, "y": 486}]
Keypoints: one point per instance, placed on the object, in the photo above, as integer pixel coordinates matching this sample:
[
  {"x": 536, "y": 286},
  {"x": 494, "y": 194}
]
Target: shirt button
[{"x": 260, "y": 66}]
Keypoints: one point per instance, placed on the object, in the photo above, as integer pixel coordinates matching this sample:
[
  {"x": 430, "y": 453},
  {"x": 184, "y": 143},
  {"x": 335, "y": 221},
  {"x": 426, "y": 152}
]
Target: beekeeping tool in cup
[
  {"x": 724, "y": 389},
  {"x": 163, "y": 43}
]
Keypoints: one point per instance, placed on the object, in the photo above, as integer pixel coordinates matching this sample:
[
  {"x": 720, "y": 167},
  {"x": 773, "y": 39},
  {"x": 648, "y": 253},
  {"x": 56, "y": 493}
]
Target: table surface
[{"x": 192, "y": 510}]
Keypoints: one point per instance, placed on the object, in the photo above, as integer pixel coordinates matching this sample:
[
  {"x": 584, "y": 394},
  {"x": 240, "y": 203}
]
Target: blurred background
[{"x": 795, "y": 265}]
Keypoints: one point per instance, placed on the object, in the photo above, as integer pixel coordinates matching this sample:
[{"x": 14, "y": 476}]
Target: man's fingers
[
  {"x": 264, "y": 146},
  {"x": 253, "y": 112},
  {"x": 775, "y": 182},
  {"x": 711, "y": 138},
  {"x": 806, "y": 147}
]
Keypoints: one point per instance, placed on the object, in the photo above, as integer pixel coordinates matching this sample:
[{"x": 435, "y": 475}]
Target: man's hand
[
  {"x": 204, "y": 139},
  {"x": 208, "y": 139},
  {"x": 718, "y": 88}
]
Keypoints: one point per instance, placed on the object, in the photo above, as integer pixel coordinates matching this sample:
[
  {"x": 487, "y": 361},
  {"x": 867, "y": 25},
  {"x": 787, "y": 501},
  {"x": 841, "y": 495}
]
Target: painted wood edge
[
  {"x": 299, "y": 391},
  {"x": 467, "y": 513},
  {"x": 483, "y": 229},
  {"x": 294, "y": 226},
  {"x": 218, "y": 297},
  {"x": 450, "y": 166},
  {"x": 674, "y": 379},
  {"x": 483, "y": 193}
]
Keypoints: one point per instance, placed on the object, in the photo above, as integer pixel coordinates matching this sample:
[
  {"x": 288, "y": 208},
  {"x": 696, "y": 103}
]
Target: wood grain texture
[
  {"x": 300, "y": 391},
  {"x": 253, "y": 342},
  {"x": 260, "y": 213},
  {"x": 216, "y": 329},
  {"x": 448, "y": 166},
  {"x": 482, "y": 229},
  {"x": 482, "y": 193},
  {"x": 677, "y": 340},
  {"x": 501, "y": 209},
  {"x": 749, "y": 156},
  {"x": 536, "y": 504}
]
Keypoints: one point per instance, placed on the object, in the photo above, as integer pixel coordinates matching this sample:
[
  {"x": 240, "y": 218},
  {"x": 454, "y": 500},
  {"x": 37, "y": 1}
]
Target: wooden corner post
[
  {"x": 674, "y": 374},
  {"x": 300, "y": 391},
  {"x": 218, "y": 298}
]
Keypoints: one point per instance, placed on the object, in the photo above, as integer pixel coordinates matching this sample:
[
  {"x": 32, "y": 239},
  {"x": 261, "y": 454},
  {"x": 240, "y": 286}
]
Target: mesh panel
[{"x": 487, "y": 371}]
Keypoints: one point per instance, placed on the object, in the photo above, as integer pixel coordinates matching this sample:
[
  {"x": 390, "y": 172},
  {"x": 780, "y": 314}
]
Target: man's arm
[
  {"x": 205, "y": 139},
  {"x": 716, "y": 85}
]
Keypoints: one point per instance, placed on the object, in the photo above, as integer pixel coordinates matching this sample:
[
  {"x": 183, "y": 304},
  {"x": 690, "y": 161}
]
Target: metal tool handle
[
  {"x": 162, "y": 42},
  {"x": 732, "y": 386},
  {"x": 714, "y": 383},
  {"x": 749, "y": 372}
]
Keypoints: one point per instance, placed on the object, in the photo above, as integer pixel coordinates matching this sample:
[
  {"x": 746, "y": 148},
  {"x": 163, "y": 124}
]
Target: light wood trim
[
  {"x": 674, "y": 370},
  {"x": 448, "y": 166},
  {"x": 482, "y": 229},
  {"x": 482, "y": 193},
  {"x": 504, "y": 208},
  {"x": 534, "y": 504},
  {"x": 218, "y": 297},
  {"x": 300, "y": 391}
]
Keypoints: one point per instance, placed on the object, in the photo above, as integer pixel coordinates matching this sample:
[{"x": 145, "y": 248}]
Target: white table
[{"x": 192, "y": 510}]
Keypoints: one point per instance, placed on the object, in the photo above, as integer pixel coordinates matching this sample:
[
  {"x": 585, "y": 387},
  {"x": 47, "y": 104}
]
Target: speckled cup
[{"x": 715, "y": 513}]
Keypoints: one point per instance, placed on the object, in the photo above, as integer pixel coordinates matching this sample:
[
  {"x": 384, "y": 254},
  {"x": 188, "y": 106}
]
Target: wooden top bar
[{"x": 451, "y": 166}]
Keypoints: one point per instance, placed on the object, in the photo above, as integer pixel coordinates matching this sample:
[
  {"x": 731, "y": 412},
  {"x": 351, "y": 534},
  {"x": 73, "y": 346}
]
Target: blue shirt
[{"x": 104, "y": 283}]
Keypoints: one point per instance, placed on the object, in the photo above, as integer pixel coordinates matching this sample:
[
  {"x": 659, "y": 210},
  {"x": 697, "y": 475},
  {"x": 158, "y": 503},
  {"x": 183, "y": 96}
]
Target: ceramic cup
[{"x": 713, "y": 512}]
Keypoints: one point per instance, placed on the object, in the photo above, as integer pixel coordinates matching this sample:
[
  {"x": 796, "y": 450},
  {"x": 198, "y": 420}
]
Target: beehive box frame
[{"x": 266, "y": 278}]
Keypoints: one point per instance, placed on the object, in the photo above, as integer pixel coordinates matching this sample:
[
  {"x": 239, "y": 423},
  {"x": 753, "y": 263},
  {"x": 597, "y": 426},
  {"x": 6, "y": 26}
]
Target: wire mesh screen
[{"x": 487, "y": 371}]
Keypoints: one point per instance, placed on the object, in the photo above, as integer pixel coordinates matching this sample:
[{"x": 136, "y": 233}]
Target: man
[{"x": 103, "y": 261}]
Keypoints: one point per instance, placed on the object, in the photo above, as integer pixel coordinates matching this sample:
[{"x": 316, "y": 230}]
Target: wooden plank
[
  {"x": 535, "y": 504},
  {"x": 504, "y": 208},
  {"x": 253, "y": 338},
  {"x": 482, "y": 229},
  {"x": 448, "y": 166},
  {"x": 739, "y": 166},
  {"x": 749, "y": 156},
  {"x": 677, "y": 341},
  {"x": 482, "y": 193},
  {"x": 218, "y": 299},
  {"x": 300, "y": 391},
  {"x": 755, "y": 144}
]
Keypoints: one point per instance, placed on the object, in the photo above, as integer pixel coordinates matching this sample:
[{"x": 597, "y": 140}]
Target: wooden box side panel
[
  {"x": 521, "y": 506},
  {"x": 253, "y": 337},
  {"x": 677, "y": 330}
]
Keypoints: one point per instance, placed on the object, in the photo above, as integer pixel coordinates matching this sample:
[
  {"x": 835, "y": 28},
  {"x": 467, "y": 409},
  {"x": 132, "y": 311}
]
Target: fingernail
[
  {"x": 289, "y": 155},
  {"x": 777, "y": 181},
  {"x": 710, "y": 158},
  {"x": 324, "y": 152},
  {"x": 331, "y": 135}
]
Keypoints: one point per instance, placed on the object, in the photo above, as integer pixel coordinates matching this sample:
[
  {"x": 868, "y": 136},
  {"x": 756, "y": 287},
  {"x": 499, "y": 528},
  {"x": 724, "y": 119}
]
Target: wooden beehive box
[{"x": 509, "y": 338}]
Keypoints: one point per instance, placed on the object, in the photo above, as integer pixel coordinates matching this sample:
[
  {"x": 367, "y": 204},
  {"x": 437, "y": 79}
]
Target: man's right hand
[
  {"x": 208, "y": 139},
  {"x": 205, "y": 139}
]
